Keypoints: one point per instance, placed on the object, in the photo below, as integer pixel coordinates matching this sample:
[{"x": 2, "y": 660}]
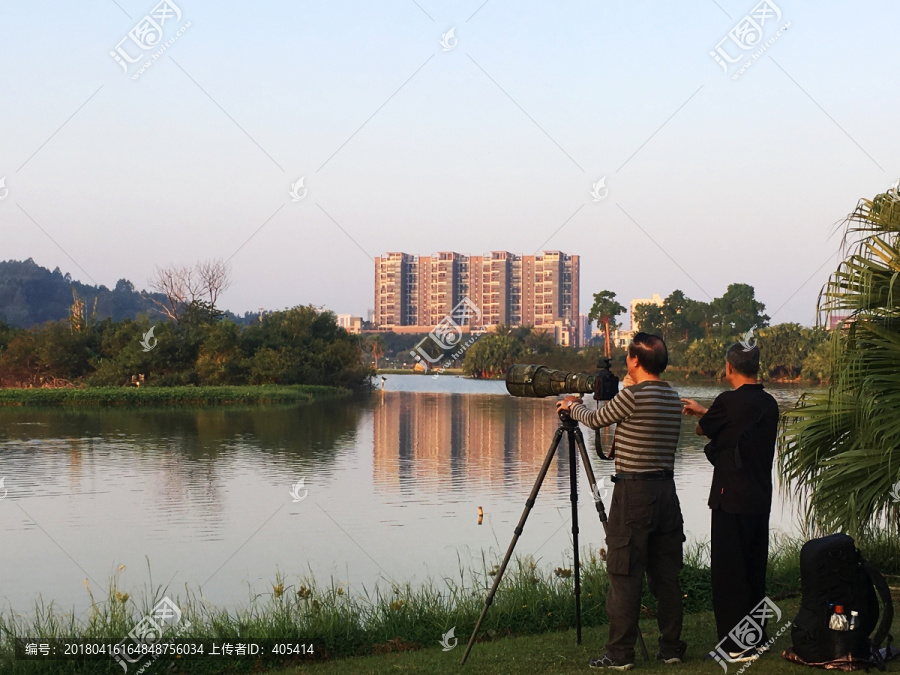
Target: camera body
[{"x": 606, "y": 384}]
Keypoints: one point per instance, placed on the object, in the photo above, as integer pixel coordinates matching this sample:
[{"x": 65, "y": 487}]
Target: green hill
[{"x": 31, "y": 295}]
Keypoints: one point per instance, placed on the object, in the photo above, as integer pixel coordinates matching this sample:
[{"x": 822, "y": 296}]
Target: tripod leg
[
  {"x": 573, "y": 496},
  {"x": 602, "y": 511},
  {"x": 586, "y": 462},
  {"x": 529, "y": 503}
]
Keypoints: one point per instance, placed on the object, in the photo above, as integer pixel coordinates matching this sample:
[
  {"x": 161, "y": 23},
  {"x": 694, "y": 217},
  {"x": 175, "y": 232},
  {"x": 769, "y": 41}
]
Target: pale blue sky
[{"x": 493, "y": 144}]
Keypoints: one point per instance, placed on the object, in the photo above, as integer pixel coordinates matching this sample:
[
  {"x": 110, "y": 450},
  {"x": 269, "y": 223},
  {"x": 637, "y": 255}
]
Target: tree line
[
  {"x": 697, "y": 334},
  {"x": 301, "y": 345},
  {"x": 191, "y": 342}
]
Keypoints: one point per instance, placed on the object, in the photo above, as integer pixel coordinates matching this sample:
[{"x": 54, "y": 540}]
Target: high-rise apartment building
[{"x": 519, "y": 290}]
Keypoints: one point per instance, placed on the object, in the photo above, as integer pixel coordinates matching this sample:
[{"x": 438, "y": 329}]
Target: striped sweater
[{"x": 648, "y": 422}]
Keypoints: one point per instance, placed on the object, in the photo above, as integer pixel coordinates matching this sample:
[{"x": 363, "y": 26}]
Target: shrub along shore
[
  {"x": 168, "y": 396},
  {"x": 354, "y": 621}
]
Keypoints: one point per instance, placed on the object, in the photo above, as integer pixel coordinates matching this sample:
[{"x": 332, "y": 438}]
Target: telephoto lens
[{"x": 538, "y": 381}]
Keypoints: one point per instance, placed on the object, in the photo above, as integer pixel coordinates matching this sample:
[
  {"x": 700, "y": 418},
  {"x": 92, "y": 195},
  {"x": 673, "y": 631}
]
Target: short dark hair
[
  {"x": 650, "y": 351},
  {"x": 744, "y": 361}
]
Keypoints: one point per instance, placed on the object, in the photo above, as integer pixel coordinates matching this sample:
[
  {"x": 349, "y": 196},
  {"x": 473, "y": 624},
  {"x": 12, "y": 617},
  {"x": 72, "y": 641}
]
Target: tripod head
[{"x": 566, "y": 421}]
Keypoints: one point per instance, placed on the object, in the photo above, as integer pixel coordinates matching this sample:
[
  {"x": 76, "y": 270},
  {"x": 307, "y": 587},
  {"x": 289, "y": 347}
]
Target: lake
[{"x": 390, "y": 492}]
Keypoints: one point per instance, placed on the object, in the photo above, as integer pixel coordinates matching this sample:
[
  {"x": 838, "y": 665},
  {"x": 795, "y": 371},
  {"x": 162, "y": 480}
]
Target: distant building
[
  {"x": 617, "y": 336},
  {"x": 418, "y": 292},
  {"x": 655, "y": 300},
  {"x": 585, "y": 329},
  {"x": 350, "y": 323},
  {"x": 621, "y": 338},
  {"x": 837, "y": 321}
]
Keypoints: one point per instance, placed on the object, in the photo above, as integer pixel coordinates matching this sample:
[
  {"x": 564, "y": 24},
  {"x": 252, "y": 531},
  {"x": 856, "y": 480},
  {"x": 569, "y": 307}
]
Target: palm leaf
[{"x": 842, "y": 447}]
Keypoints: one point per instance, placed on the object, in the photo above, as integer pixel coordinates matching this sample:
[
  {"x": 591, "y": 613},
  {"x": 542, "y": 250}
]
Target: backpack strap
[{"x": 884, "y": 591}]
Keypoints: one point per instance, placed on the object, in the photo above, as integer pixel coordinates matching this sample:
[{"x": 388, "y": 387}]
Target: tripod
[{"x": 570, "y": 427}]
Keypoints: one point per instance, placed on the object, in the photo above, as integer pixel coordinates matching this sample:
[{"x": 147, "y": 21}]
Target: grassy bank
[
  {"x": 558, "y": 653},
  {"x": 352, "y": 622},
  {"x": 167, "y": 396}
]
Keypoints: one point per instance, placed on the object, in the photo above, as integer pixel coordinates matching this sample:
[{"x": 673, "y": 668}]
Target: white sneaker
[{"x": 747, "y": 655}]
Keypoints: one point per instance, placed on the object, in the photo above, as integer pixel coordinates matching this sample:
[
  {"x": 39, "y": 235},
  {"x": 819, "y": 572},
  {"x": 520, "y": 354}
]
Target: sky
[{"x": 410, "y": 137}]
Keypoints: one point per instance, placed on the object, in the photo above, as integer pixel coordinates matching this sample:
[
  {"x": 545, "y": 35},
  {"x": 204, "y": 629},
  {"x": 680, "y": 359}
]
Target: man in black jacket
[{"x": 742, "y": 425}]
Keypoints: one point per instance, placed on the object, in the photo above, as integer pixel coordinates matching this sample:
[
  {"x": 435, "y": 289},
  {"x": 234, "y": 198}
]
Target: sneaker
[
  {"x": 673, "y": 660},
  {"x": 750, "y": 654},
  {"x": 606, "y": 662}
]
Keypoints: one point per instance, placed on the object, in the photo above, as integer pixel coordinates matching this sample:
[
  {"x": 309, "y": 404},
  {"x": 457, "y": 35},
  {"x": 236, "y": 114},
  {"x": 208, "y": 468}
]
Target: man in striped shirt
[{"x": 645, "y": 532}]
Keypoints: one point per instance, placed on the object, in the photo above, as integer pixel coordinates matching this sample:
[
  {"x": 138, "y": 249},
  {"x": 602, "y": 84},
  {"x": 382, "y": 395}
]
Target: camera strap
[{"x": 598, "y": 445}]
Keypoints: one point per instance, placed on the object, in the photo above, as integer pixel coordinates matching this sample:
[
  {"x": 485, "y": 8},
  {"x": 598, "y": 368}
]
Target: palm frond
[{"x": 842, "y": 447}]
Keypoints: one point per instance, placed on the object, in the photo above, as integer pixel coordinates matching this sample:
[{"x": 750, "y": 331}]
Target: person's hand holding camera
[{"x": 567, "y": 403}]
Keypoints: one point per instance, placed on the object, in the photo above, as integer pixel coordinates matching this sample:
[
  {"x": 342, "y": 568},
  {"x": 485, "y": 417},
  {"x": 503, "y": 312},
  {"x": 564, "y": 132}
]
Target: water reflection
[
  {"x": 195, "y": 433},
  {"x": 429, "y": 443},
  {"x": 455, "y": 441},
  {"x": 394, "y": 488}
]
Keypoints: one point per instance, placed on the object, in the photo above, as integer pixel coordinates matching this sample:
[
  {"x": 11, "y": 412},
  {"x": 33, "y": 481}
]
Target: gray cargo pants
[{"x": 645, "y": 535}]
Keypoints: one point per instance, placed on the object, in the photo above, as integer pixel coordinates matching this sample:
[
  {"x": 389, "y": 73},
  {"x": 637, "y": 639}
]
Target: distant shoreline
[
  {"x": 410, "y": 371},
  {"x": 168, "y": 396},
  {"x": 674, "y": 376}
]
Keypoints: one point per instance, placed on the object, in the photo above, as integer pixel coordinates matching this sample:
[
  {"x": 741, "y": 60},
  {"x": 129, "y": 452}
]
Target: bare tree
[
  {"x": 183, "y": 285},
  {"x": 213, "y": 278},
  {"x": 168, "y": 282}
]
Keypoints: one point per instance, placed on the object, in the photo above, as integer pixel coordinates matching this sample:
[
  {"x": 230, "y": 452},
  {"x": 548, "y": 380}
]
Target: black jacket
[{"x": 742, "y": 425}]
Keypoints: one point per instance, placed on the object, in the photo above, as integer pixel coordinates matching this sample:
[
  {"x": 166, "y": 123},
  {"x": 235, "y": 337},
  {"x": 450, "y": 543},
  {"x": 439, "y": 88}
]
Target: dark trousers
[
  {"x": 645, "y": 535},
  {"x": 739, "y": 553}
]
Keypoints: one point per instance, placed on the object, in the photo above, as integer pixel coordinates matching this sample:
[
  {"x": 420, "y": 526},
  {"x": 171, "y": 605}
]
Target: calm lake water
[{"x": 391, "y": 490}]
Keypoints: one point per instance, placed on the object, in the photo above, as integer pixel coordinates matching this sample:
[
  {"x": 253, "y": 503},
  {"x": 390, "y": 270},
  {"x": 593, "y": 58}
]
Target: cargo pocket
[{"x": 618, "y": 554}]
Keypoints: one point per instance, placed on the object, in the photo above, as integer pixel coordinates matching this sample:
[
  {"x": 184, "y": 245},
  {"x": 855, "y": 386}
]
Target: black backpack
[{"x": 833, "y": 572}]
